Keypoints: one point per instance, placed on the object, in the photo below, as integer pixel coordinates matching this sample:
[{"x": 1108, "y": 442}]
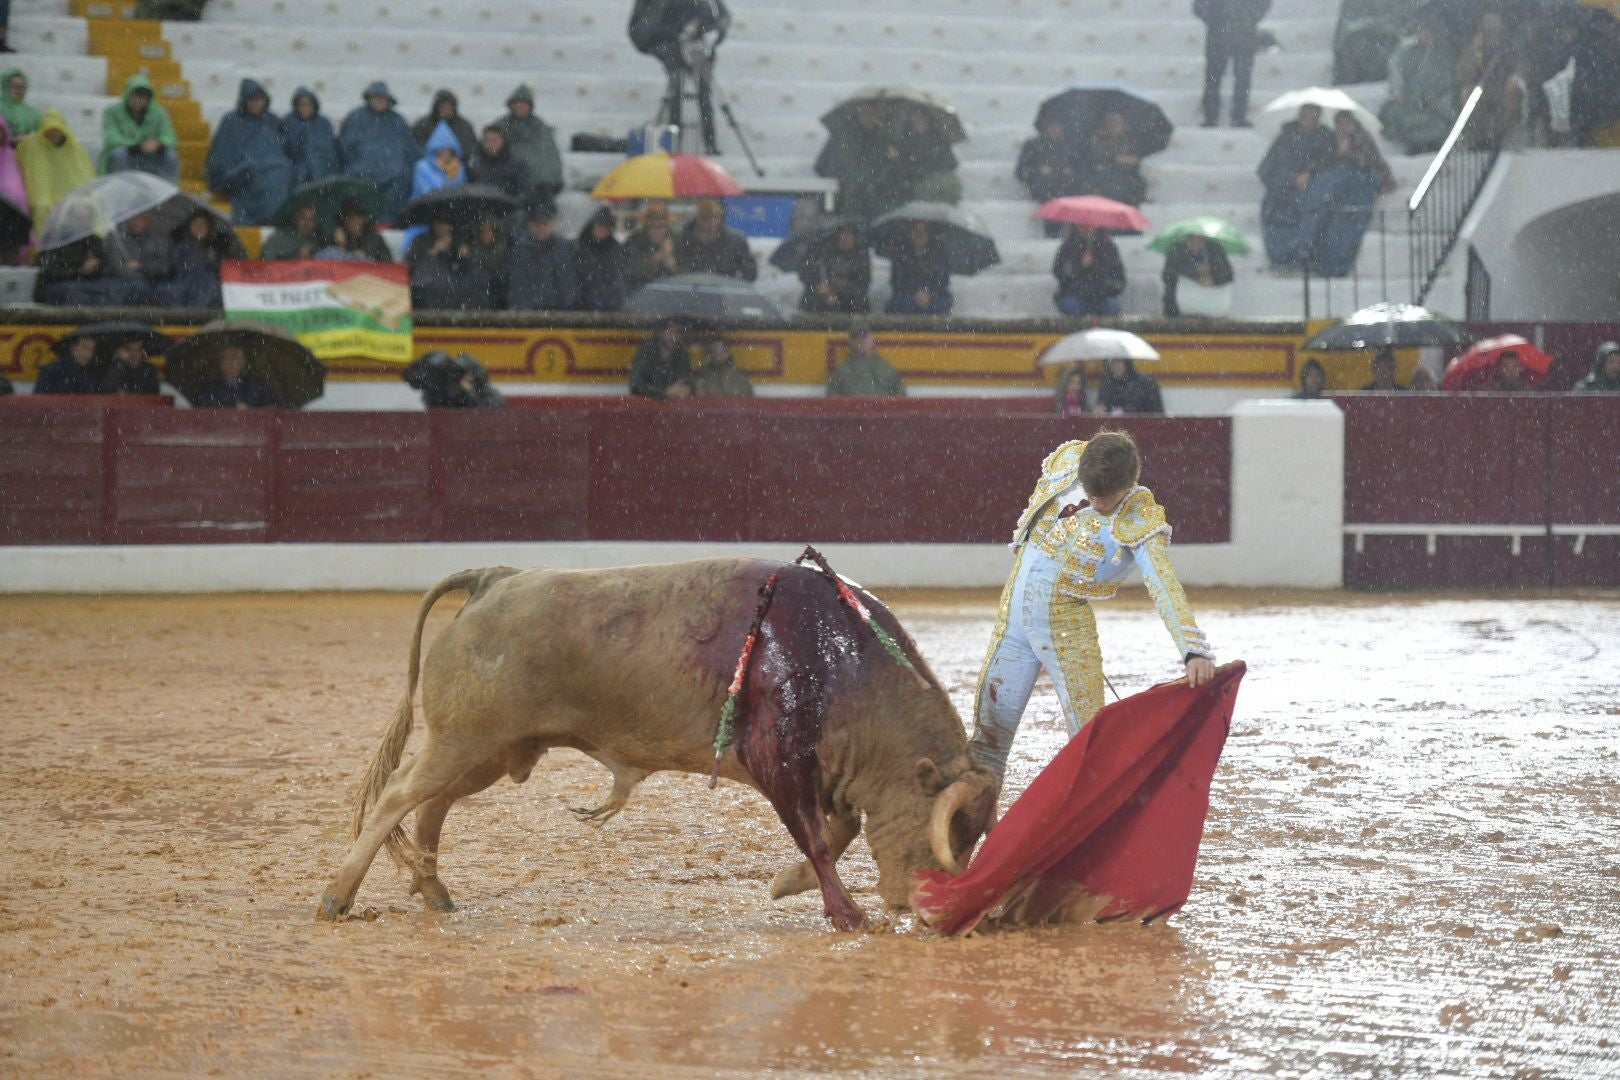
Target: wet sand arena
[{"x": 1412, "y": 867}]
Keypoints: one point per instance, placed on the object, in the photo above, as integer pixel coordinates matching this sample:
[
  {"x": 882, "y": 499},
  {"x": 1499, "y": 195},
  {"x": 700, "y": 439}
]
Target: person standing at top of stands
[
  {"x": 865, "y": 373},
  {"x": 1231, "y": 36},
  {"x": 74, "y": 371},
  {"x": 837, "y": 274},
  {"x": 662, "y": 368},
  {"x": 540, "y": 265},
  {"x": 446, "y": 110},
  {"x": 599, "y": 258},
  {"x": 533, "y": 142},
  {"x": 684, "y": 35},
  {"x": 1301, "y": 149},
  {"x": 130, "y": 372},
  {"x": 707, "y": 246},
  {"x": 136, "y": 133},
  {"x": 377, "y": 145},
  {"x": 312, "y": 145},
  {"x": 1090, "y": 273},
  {"x": 493, "y": 163},
  {"x": 247, "y": 158},
  {"x": 649, "y": 254},
  {"x": 919, "y": 277},
  {"x": 1126, "y": 391}
]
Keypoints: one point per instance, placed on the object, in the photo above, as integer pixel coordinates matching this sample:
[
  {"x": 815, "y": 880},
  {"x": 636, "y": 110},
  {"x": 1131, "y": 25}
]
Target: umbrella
[
  {"x": 1110, "y": 829},
  {"x": 1388, "y": 324},
  {"x": 790, "y": 253},
  {"x": 1098, "y": 345},
  {"x": 1475, "y": 368},
  {"x": 893, "y": 103},
  {"x": 273, "y": 354},
  {"x": 105, "y": 332},
  {"x": 463, "y": 204},
  {"x": 966, "y": 242},
  {"x": 666, "y": 176},
  {"x": 15, "y": 224},
  {"x": 327, "y": 197},
  {"x": 97, "y": 207},
  {"x": 1095, "y": 211},
  {"x": 1330, "y": 101},
  {"x": 1080, "y": 109},
  {"x": 702, "y": 296},
  {"x": 1210, "y": 228}
]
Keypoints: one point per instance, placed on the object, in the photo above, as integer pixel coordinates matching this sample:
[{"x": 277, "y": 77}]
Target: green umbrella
[
  {"x": 1210, "y": 228},
  {"x": 273, "y": 354},
  {"x": 328, "y": 197}
]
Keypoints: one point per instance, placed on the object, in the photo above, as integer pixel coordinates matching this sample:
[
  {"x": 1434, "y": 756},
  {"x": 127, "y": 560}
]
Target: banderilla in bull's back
[{"x": 635, "y": 666}]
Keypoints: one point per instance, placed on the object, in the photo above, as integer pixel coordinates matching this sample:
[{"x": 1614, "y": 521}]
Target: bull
[{"x": 632, "y": 666}]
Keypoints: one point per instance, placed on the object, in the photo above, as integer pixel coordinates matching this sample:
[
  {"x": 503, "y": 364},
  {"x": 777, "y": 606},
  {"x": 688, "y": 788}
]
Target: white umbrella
[
  {"x": 1098, "y": 345},
  {"x": 1331, "y": 101}
]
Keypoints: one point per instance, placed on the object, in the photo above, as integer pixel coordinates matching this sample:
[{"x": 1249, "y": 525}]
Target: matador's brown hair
[{"x": 1109, "y": 464}]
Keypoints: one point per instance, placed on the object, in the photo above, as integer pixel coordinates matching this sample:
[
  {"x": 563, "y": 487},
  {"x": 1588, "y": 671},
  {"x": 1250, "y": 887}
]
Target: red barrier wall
[{"x": 90, "y": 474}]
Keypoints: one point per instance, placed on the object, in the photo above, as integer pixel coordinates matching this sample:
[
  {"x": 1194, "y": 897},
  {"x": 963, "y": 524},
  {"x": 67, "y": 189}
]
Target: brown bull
[{"x": 631, "y": 666}]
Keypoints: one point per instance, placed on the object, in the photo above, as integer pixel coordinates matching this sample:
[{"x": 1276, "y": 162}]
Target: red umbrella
[
  {"x": 1111, "y": 827},
  {"x": 1096, "y": 211},
  {"x": 1475, "y": 368}
]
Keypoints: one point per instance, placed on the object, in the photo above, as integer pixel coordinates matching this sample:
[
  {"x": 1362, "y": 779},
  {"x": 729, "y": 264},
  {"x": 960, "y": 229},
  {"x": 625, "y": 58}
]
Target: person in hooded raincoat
[
  {"x": 22, "y": 117},
  {"x": 247, "y": 159},
  {"x": 493, "y": 163},
  {"x": 1125, "y": 390},
  {"x": 446, "y": 110},
  {"x": 377, "y": 145},
  {"x": 599, "y": 262},
  {"x": 1422, "y": 103},
  {"x": 53, "y": 163},
  {"x": 1303, "y": 148},
  {"x": 12, "y": 189},
  {"x": 533, "y": 142},
  {"x": 136, "y": 133},
  {"x": 440, "y": 164},
  {"x": 1605, "y": 377},
  {"x": 311, "y": 144}
]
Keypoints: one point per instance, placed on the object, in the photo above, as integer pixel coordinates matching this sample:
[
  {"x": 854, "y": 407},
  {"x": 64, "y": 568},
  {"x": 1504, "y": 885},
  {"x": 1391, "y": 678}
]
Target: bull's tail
[{"x": 401, "y": 849}]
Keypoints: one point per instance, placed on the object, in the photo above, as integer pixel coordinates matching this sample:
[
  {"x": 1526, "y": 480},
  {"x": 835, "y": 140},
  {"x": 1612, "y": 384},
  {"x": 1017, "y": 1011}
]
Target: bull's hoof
[
  {"x": 600, "y": 814},
  {"x": 849, "y": 919},
  {"x": 796, "y": 879},
  {"x": 331, "y": 909}
]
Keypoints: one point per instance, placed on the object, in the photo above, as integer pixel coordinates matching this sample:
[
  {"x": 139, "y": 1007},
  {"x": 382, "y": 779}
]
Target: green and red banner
[{"x": 337, "y": 308}]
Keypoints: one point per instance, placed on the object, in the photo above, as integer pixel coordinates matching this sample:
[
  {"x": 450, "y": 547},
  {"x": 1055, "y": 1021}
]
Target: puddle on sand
[{"x": 1410, "y": 868}]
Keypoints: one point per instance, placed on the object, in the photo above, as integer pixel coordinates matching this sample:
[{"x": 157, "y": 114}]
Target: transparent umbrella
[{"x": 99, "y": 206}]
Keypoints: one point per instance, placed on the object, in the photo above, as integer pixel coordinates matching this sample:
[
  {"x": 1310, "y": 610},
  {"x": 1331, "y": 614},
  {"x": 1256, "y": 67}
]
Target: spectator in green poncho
[
  {"x": 136, "y": 133},
  {"x": 22, "y": 117},
  {"x": 865, "y": 373},
  {"x": 532, "y": 141}
]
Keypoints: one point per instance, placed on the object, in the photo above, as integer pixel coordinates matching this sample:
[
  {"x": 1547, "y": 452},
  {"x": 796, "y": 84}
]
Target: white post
[{"x": 1288, "y": 494}]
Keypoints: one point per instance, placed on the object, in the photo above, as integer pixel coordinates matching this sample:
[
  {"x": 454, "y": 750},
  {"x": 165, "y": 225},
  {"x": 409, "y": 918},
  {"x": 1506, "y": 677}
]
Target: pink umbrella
[{"x": 1095, "y": 211}]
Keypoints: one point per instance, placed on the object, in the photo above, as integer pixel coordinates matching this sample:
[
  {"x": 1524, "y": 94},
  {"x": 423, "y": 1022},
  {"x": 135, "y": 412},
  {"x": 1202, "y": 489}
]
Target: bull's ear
[{"x": 928, "y": 776}]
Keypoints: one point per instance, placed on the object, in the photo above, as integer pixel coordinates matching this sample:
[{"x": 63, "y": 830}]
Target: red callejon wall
[{"x": 612, "y": 469}]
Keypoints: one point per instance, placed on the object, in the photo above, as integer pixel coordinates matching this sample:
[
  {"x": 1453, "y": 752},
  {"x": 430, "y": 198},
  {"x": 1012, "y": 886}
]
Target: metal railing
[{"x": 1441, "y": 202}]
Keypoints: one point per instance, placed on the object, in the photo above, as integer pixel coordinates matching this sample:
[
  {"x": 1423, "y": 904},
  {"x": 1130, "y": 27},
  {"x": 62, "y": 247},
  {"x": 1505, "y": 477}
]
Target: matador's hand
[{"x": 1199, "y": 671}]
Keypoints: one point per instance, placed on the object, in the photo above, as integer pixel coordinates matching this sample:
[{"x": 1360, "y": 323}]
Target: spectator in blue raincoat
[
  {"x": 377, "y": 145},
  {"x": 247, "y": 160},
  {"x": 312, "y": 145},
  {"x": 440, "y": 164}
]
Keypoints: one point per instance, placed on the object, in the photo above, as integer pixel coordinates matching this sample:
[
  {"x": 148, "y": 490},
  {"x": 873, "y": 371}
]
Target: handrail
[{"x": 1444, "y": 197}]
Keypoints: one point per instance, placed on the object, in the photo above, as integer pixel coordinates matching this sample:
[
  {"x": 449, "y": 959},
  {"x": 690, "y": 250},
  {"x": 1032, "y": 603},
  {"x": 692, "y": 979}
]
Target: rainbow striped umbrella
[{"x": 666, "y": 176}]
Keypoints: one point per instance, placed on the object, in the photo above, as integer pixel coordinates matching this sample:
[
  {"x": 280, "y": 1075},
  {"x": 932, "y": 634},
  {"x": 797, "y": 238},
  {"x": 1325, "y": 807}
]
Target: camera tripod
[{"x": 698, "y": 60}]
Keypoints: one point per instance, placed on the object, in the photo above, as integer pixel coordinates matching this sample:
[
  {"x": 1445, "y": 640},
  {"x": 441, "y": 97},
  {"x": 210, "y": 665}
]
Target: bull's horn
[{"x": 946, "y": 804}]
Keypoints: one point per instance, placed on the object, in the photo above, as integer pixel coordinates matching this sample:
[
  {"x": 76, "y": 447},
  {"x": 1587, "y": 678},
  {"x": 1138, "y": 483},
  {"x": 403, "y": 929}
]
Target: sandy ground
[{"x": 1412, "y": 867}]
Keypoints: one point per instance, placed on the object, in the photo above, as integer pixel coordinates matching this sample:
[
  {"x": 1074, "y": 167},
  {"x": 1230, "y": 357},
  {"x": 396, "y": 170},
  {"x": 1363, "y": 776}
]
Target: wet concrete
[{"x": 1412, "y": 867}]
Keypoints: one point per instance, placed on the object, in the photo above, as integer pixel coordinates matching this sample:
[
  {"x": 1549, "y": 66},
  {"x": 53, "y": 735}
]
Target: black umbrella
[
  {"x": 327, "y": 197},
  {"x": 182, "y": 206},
  {"x": 463, "y": 204},
  {"x": 273, "y": 354},
  {"x": 790, "y": 253},
  {"x": 1388, "y": 324},
  {"x": 895, "y": 104},
  {"x": 15, "y": 224},
  {"x": 702, "y": 296},
  {"x": 967, "y": 244},
  {"x": 108, "y": 334},
  {"x": 1081, "y": 108}
]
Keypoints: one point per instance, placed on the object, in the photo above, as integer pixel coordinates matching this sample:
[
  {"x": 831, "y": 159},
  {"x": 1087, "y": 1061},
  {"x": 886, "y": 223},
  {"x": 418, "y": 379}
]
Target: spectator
[
  {"x": 1605, "y": 376},
  {"x": 233, "y": 387},
  {"x": 1423, "y": 380},
  {"x": 1422, "y": 102},
  {"x": 540, "y": 266},
  {"x": 1303, "y": 148},
  {"x": 928, "y": 162},
  {"x": 1509, "y": 378},
  {"x": 1125, "y": 390},
  {"x": 76, "y": 275},
  {"x": 439, "y": 165},
  {"x": 452, "y": 382},
  {"x": 1594, "y": 92},
  {"x": 719, "y": 377},
  {"x": 444, "y": 274},
  {"x": 377, "y": 145},
  {"x": 1070, "y": 399},
  {"x": 600, "y": 264},
  {"x": 136, "y": 133},
  {"x": 22, "y": 117},
  {"x": 1089, "y": 272},
  {"x": 1052, "y": 165},
  {"x": 1487, "y": 61},
  {"x": 355, "y": 234},
  {"x": 312, "y": 145},
  {"x": 649, "y": 254},
  {"x": 919, "y": 277},
  {"x": 1338, "y": 204},
  {"x": 302, "y": 241},
  {"x": 247, "y": 159},
  {"x": 1312, "y": 381},
  {"x": 130, "y": 372},
  {"x": 1231, "y": 36},
  {"x": 865, "y": 373},
  {"x": 661, "y": 368},
  {"x": 200, "y": 245},
  {"x": 12, "y": 189},
  {"x": 1383, "y": 373},
  {"x": 446, "y": 110},
  {"x": 489, "y": 248},
  {"x": 74, "y": 371},
  {"x": 837, "y": 274},
  {"x": 1198, "y": 259},
  {"x": 493, "y": 163},
  {"x": 1116, "y": 167},
  {"x": 140, "y": 252},
  {"x": 53, "y": 164},
  {"x": 707, "y": 246},
  {"x": 867, "y": 162},
  {"x": 533, "y": 142}
]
